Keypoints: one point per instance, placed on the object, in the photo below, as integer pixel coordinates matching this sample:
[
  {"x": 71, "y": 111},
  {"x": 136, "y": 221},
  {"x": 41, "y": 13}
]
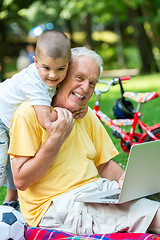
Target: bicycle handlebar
[
  {"x": 124, "y": 78},
  {"x": 112, "y": 82}
]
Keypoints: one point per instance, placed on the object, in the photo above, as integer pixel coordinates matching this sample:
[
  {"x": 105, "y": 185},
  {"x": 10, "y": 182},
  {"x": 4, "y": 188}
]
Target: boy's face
[{"x": 52, "y": 71}]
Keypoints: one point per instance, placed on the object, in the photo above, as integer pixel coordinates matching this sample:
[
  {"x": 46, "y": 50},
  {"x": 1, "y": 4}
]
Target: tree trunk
[
  {"x": 119, "y": 46},
  {"x": 150, "y": 11},
  {"x": 70, "y": 29},
  {"x": 88, "y": 31},
  {"x": 156, "y": 33},
  {"x": 143, "y": 43}
]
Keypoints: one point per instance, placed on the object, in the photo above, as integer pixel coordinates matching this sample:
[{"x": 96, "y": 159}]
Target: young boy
[{"x": 37, "y": 83}]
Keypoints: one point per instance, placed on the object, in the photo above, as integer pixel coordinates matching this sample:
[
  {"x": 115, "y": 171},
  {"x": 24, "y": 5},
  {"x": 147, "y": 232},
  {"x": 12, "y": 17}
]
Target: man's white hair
[{"x": 79, "y": 51}]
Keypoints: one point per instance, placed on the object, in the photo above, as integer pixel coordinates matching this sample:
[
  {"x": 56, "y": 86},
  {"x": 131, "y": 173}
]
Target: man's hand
[
  {"x": 62, "y": 126},
  {"x": 121, "y": 179},
  {"x": 112, "y": 171}
]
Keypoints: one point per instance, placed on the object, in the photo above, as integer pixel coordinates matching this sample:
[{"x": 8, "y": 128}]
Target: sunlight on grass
[
  {"x": 105, "y": 36},
  {"x": 150, "y": 110},
  {"x": 144, "y": 83},
  {"x": 137, "y": 83}
]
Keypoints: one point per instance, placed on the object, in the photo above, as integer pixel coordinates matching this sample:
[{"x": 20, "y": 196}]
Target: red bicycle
[{"x": 127, "y": 139}]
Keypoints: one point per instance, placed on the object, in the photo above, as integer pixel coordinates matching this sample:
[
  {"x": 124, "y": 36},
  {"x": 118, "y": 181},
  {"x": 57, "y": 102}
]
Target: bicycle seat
[{"x": 141, "y": 97}]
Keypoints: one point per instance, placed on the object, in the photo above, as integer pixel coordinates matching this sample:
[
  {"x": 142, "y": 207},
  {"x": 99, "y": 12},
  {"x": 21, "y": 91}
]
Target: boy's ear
[{"x": 35, "y": 61}]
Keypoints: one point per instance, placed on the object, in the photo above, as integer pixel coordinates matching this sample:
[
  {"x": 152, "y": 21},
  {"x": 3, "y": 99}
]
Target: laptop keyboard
[{"x": 115, "y": 196}]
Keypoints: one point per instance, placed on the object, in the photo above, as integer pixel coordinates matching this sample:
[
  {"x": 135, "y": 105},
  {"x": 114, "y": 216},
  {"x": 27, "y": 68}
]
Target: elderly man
[{"x": 52, "y": 166}]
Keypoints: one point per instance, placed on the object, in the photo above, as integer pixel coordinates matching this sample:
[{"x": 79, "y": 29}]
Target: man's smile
[{"x": 78, "y": 96}]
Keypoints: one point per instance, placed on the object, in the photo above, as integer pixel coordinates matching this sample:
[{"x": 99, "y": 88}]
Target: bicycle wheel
[
  {"x": 126, "y": 147},
  {"x": 156, "y": 132}
]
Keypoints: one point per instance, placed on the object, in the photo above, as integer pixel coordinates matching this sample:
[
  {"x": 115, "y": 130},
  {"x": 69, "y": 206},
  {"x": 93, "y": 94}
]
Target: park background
[{"x": 126, "y": 33}]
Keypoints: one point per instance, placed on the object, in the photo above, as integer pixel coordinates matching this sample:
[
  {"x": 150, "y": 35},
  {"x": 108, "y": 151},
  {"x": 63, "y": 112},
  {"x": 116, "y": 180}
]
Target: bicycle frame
[{"x": 127, "y": 138}]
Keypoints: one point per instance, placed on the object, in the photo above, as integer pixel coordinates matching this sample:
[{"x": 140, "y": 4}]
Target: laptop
[{"x": 142, "y": 177}]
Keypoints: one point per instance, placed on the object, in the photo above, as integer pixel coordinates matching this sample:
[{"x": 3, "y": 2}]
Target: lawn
[{"x": 150, "y": 110}]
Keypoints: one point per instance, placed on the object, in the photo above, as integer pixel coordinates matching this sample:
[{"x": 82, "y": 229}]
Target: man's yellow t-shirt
[{"x": 87, "y": 146}]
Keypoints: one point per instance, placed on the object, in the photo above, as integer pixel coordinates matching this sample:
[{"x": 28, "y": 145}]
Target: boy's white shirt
[{"x": 25, "y": 85}]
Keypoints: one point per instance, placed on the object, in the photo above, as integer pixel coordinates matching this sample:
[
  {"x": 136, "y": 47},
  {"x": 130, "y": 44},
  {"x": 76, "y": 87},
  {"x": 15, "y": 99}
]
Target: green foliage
[
  {"x": 9, "y": 9},
  {"x": 132, "y": 57},
  {"x": 109, "y": 55}
]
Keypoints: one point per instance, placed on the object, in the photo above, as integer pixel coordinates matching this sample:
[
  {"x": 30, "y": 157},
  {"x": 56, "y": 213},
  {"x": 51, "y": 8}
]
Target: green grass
[
  {"x": 2, "y": 194},
  {"x": 150, "y": 110}
]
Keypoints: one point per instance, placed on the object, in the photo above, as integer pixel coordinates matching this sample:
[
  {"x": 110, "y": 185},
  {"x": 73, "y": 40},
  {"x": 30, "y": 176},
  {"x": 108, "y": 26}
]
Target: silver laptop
[{"x": 142, "y": 176}]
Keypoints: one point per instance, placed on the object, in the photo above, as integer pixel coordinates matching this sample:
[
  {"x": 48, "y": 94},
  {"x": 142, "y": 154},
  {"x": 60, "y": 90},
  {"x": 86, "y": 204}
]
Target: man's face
[
  {"x": 78, "y": 86},
  {"x": 52, "y": 71}
]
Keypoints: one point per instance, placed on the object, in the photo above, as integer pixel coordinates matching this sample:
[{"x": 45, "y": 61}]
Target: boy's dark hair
[{"x": 54, "y": 44}]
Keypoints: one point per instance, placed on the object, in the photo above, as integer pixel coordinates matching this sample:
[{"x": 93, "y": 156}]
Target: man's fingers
[
  {"x": 120, "y": 182},
  {"x": 65, "y": 120},
  {"x": 64, "y": 114},
  {"x": 62, "y": 125}
]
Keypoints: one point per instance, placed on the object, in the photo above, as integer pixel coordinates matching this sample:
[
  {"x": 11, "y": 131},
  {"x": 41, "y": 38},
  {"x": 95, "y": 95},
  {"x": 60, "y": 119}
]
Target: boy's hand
[
  {"x": 81, "y": 112},
  {"x": 62, "y": 126},
  {"x": 53, "y": 116}
]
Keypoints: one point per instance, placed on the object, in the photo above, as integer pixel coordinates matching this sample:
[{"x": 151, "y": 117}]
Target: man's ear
[{"x": 35, "y": 61}]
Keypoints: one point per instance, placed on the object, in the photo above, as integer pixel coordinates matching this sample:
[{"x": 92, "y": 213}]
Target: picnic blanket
[{"x": 46, "y": 234}]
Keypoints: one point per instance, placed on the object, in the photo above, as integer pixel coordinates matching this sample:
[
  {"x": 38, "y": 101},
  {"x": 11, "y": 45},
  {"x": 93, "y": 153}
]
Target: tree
[
  {"x": 151, "y": 15},
  {"x": 9, "y": 13},
  {"x": 139, "y": 12},
  {"x": 81, "y": 15},
  {"x": 145, "y": 48}
]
